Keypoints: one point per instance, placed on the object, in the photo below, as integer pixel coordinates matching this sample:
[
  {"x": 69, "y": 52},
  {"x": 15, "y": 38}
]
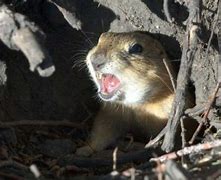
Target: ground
[{"x": 44, "y": 119}]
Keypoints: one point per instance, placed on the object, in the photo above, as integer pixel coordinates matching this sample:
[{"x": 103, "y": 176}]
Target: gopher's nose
[{"x": 98, "y": 61}]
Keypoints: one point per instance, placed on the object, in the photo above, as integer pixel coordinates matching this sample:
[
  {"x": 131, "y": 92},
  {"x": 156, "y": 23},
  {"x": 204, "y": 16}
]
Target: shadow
[
  {"x": 94, "y": 17},
  {"x": 156, "y": 7},
  {"x": 95, "y": 20},
  {"x": 177, "y": 11},
  {"x": 204, "y": 36},
  {"x": 170, "y": 44},
  {"x": 69, "y": 92},
  {"x": 172, "y": 47}
]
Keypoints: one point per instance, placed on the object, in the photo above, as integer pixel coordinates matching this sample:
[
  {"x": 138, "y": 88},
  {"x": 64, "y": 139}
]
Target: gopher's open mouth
[{"x": 109, "y": 85}]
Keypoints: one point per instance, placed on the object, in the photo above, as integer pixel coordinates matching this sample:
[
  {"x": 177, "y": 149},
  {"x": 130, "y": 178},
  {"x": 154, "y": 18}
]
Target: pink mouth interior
[{"x": 109, "y": 83}]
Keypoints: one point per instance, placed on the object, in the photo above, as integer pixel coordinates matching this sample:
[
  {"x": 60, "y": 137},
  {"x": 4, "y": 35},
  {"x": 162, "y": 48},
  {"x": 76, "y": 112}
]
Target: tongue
[{"x": 109, "y": 83}]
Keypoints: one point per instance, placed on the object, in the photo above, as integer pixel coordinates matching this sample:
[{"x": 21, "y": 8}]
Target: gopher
[{"x": 134, "y": 85}]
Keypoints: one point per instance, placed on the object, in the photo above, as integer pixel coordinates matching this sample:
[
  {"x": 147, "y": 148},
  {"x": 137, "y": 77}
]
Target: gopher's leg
[{"x": 108, "y": 127}]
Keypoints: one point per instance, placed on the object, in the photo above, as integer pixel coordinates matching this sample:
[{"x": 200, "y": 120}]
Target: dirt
[{"x": 70, "y": 95}]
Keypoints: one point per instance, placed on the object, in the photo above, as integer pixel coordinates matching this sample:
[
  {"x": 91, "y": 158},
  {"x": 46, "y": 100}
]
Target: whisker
[
  {"x": 87, "y": 38},
  {"x": 80, "y": 57},
  {"x": 79, "y": 53},
  {"x": 164, "y": 83},
  {"x": 82, "y": 50},
  {"x": 92, "y": 33},
  {"x": 79, "y": 66},
  {"x": 79, "y": 63},
  {"x": 77, "y": 50},
  {"x": 175, "y": 60}
]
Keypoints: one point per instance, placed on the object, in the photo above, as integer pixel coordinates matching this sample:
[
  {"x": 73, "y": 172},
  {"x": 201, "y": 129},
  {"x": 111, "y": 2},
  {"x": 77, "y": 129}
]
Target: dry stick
[
  {"x": 68, "y": 9},
  {"x": 166, "y": 10},
  {"x": 219, "y": 31},
  {"x": 188, "y": 150},
  {"x": 115, "y": 159},
  {"x": 159, "y": 170},
  {"x": 218, "y": 100},
  {"x": 13, "y": 164},
  {"x": 40, "y": 123},
  {"x": 183, "y": 132},
  {"x": 204, "y": 120},
  {"x": 174, "y": 170},
  {"x": 34, "y": 169},
  {"x": 170, "y": 75},
  {"x": 211, "y": 34},
  {"x": 137, "y": 156},
  {"x": 189, "y": 49},
  {"x": 195, "y": 111},
  {"x": 9, "y": 176},
  {"x": 157, "y": 138},
  {"x": 162, "y": 132}
]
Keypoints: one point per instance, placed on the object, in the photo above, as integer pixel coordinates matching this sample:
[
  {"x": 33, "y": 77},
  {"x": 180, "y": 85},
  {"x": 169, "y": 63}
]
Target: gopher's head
[{"x": 128, "y": 68}]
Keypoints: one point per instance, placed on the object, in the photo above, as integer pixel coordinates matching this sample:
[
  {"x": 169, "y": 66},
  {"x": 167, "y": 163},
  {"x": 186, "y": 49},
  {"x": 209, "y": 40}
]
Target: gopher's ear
[{"x": 104, "y": 36}]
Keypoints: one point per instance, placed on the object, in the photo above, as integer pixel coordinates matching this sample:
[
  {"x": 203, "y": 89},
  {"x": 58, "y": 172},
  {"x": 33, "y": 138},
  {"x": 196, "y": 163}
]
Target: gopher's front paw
[{"x": 84, "y": 151}]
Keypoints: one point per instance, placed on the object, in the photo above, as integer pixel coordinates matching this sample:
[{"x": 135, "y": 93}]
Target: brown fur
[{"x": 148, "y": 113}]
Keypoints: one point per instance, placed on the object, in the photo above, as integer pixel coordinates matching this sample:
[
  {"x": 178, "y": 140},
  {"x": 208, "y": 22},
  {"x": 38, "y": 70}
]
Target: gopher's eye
[{"x": 135, "y": 49}]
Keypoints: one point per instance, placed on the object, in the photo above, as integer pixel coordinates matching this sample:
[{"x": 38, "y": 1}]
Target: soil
[{"x": 69, "y": 95}]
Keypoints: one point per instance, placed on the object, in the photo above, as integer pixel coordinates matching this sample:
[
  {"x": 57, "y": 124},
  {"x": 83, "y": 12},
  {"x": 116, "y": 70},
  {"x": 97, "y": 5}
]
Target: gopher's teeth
[
  {"x": 99, "y": 75},
  {"x": 104, "y": 93}
]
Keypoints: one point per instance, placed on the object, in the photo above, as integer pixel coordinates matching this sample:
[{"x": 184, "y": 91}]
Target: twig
[
  {"x": 40, "y": 123},
  {"x": 133, "y": 175},
  {"x": 68, "y": 9},
  {"x": 156, "y": 139},
  {"x": 115, "y": 159},
  {"x": 188, "y": 150},
  {"x": 137, "y": 156},
  {"x": 212, "y": 33},
  {"x": 10, "y": 176},
  {"x": 204, "y": 119},
  {"x": 218, "y": 101},
  {"x": 188, "y": 53},
  {"x": 34, "y": 169},
  {"x": 183, "y": 132},
  {"x": 14, "y": 164},
  {"x": 175, "y": 171},
  {"x": 219, "y": 31},
  {"x": 195, "y": 111},
  {"x": 166, "y": 10},
  {"x": 216, "y": 21},
  {"x": 170, "y": 74},
  {"x": 160, "y": 169}
]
